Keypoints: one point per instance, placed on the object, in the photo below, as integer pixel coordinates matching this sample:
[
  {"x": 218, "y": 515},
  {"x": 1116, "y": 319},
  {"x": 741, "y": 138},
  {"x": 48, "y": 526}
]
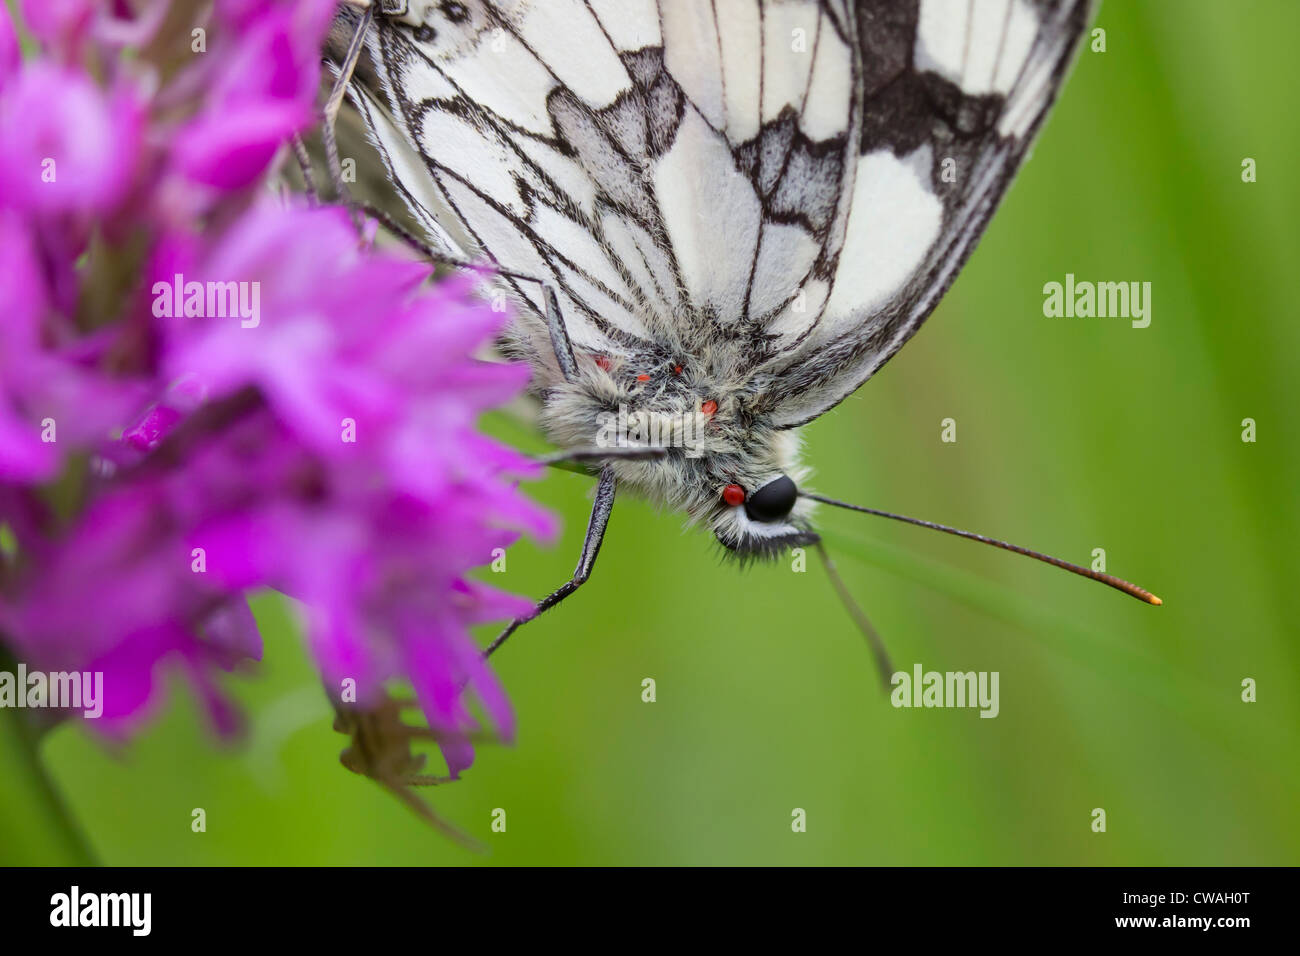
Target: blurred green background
[{"x": 1073, "y": 434}]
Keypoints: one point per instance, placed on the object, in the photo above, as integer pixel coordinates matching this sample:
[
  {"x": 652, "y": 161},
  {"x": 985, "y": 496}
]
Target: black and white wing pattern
[
  {"x": 952, "y": 93},
  {"x": 803, "y": 177}
]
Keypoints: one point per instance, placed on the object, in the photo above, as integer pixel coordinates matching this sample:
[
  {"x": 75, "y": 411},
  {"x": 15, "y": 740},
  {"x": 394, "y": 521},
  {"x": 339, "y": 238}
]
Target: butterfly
[{"x": 720, "y": 217}]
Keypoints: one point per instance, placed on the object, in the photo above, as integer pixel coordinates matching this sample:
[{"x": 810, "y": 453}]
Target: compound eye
[{"x": 773, "y": 502}]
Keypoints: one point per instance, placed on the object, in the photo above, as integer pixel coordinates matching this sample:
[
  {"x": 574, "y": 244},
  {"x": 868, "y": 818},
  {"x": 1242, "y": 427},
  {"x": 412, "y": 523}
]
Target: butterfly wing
[
  {"x": 665, "y": 165},
  {"x": 804, "y": 175},
  {"x": 952, "y": 94}
]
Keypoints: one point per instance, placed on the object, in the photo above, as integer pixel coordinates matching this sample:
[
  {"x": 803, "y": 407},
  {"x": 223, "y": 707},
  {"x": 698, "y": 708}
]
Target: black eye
[{"x": 773, "y": 501}]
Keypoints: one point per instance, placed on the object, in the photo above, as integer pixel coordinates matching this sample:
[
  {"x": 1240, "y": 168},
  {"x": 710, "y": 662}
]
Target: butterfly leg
[
  {"x": 335, "y": 101},
  {"x": 560, "y": 343},
  {"x": 303, "y": 159},
  {"x": 600, "y": 511},
  {"x": 559, "y": 333}
]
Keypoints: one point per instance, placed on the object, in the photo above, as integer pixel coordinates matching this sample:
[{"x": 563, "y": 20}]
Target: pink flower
[
  {"x": 69, "y": 147},
  {"x": 263, "y": 91},
  {"x": 264, "y": 403}
]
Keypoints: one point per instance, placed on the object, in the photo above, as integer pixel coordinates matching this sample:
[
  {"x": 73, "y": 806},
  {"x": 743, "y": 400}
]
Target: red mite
[
  {"x": 643, "y": 377},
  {"x": 733, "y": 495},
  {"x": 709, "y": 407}
]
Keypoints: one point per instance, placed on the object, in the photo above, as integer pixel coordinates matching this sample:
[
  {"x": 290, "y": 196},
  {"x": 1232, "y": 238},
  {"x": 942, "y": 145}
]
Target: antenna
[
  {"x": 883, "y": 664},
  {"x": 1119, "y": 584}
]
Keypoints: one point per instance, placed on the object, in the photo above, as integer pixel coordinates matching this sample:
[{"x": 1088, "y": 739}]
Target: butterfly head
[
  {"x": 725, "y": 467},
  {"x": 763, "y": 521}
]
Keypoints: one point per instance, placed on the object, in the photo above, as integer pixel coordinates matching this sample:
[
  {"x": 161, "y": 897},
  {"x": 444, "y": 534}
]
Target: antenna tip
[{"x": 1155, "y": 600}]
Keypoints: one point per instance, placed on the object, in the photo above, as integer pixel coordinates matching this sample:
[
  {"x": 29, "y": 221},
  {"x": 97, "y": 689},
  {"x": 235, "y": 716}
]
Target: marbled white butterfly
[{"x": 716, "y": 218}]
